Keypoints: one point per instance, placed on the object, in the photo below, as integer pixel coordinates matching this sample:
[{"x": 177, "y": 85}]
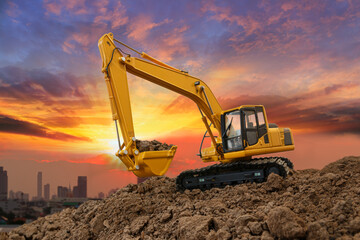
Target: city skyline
[
  {"x": 68, "y": 176},
  {"x": 43, "y": 191}
]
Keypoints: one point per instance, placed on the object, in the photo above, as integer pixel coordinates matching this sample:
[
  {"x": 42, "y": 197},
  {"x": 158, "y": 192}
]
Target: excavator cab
[
  {"x": 246, "y": 132},
  {"x": 243, "y": 127}
]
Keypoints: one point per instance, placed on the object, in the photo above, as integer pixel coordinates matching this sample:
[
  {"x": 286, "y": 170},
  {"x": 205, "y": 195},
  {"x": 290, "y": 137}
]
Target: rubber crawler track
[{"x": 284, "y": 165}]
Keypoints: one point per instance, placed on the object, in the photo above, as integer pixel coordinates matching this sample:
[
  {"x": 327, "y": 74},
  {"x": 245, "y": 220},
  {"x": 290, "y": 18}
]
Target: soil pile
[
  {"x": 310, "y": 204},
  {"x": 154, "y": 145}
]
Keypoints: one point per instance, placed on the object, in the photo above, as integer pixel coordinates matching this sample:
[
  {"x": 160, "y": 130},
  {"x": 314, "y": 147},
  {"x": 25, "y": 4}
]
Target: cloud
[
  {"x": 56, "y": 7},
  {"x": 13, "y": 10},
  {"x": 9, "y": 124},
  {"x": 293, "y": 29},
  {"x": 115, "y": 15},
  {"x": 170, "y": 44},
  {"x": 288, "y": 112},
  {"x": 139, "y": 28},
  {"x": 179, "y": 104},
  {"x": 328, "y": 117},
  {"x": 29, "y": 86},
  {"x": 162, "y": 39},
  {"x": 71, "y": 121}
]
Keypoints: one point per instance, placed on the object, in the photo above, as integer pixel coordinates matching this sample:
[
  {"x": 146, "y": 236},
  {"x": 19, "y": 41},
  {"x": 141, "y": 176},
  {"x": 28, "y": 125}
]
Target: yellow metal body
[{"x": 155, "y": 163}]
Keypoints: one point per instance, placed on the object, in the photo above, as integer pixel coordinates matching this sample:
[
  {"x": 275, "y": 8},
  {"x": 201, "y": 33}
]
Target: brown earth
[
  {"x": 154, "y": 145},
  {"x": 310, "y": 204}
]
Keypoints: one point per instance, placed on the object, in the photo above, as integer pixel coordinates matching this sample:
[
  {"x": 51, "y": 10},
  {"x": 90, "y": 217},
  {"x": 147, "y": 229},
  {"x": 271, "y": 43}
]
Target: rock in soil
[
  {"x": 310, "y": 204},
  {"x": 154, "y": 145}
]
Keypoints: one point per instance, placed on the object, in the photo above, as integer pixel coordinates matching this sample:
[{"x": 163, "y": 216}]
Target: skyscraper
[
  {"x": 3, "y": 184},
  {"x": 39, "y": 185},
  {"x": 76, "y": 191},
  {"x": 62, "y": 192},
  {"x": 47, "y": 192},
  {"x": 82, "y": 186}
]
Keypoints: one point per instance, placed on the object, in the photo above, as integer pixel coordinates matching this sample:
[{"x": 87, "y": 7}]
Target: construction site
[
  {"x": 309, "y": 204},
  {"x": 180, "y": 120},
  {"x": 243, "y": 195}
]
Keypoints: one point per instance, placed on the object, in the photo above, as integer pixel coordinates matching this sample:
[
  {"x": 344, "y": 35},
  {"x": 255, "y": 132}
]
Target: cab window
[
  {"x": 250, "y": 119},
  {"x": 234, "y": 129},
  {"x": 261, "y": 118},
  {"x": 251, "y": 127},
  {"x": 232, "y": 135}
]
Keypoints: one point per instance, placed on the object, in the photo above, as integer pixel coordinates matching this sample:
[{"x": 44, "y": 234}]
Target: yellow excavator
[{"x": 242, "y": 132}]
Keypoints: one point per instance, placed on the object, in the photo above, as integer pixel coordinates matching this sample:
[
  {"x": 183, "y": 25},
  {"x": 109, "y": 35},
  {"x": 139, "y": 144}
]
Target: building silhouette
[
  {"x": 82, "y": 186},
  {"x": 62, "y": 192},
  {"x": 3, "y": 184},
  {"x": 47, "y": 192},
  {"x": 11, "y": 194},
  {"x": 76, "y": 191},
  {"x": 39, "y": 185}
]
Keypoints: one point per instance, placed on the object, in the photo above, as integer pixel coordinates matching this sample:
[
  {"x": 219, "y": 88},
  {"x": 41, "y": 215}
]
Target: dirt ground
[{"x": 310, "y": 204}]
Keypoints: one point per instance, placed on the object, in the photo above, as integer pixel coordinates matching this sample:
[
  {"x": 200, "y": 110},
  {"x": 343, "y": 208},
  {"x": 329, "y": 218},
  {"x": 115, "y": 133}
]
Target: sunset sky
[{"x": 300, "y": 59}]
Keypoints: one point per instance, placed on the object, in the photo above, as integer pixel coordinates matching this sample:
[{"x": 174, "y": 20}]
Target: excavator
[{"x": 236, "y": 134}]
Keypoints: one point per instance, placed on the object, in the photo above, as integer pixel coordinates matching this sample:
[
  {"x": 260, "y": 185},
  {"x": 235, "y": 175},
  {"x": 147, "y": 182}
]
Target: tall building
[
  {"x": 62, "y": 192},
  {"x": 76, "y": 191},
  {"x": 82, "y": 186},
  {"x": 3, "y": 184},
  {"x": 11, "y": 194},
  {"x": 47, "y": 192},
  {"x": 19, "y": 195},
  {"x": 39, "y": 185}
]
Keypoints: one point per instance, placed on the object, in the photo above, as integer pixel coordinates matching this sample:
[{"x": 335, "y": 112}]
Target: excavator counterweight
[{"x": 242, "y": 132}]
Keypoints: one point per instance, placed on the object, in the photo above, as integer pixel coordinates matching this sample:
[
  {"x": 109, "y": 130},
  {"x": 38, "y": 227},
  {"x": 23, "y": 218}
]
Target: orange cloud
[
  {"x": 151, "y": 35},
  {"x": 73, "y": 6},
  {"x": 52, "y": 7},
  {"x": 81, "y": 39},
  {"x": 312, "y": 112},
  {"x": 140, "y": 27},
  {"x": 13, "y": 9},
  {"x": 249, "y": 24},
  {"x": 171, "y": 43},
  {"x": 72, "y": 121},
  {"x": 180, "y": 104},
  {"x": 116, "y": 15},
  {"x": 11, "y": 125}
]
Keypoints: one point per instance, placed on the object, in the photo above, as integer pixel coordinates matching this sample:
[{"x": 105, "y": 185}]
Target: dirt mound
[
  {"x": 310, "y": 204},
  {"x": 154, "y": 145}
]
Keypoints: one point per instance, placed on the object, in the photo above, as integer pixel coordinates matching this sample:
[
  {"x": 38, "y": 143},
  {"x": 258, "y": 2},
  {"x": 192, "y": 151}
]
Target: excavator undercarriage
[{"x": 223, "y": 174}]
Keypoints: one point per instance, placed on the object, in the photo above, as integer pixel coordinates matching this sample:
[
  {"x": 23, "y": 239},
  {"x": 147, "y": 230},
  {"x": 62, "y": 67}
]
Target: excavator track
[{"x": 223, "y": 174}]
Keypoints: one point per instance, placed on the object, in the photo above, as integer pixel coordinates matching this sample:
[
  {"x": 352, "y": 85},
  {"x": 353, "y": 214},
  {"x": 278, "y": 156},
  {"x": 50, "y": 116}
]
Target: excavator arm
[{"x": 115, "y": 67}]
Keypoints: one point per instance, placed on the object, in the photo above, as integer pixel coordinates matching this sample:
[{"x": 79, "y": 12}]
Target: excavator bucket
[{"x": 153, "y": 163}]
